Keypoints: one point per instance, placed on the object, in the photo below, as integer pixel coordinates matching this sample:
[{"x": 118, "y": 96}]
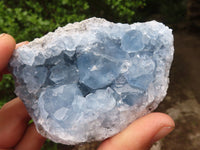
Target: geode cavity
[{"x": 87, "y": 81}]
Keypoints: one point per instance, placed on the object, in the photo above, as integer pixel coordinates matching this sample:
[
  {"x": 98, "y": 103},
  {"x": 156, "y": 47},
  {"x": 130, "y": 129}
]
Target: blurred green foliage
[
  {"x": 6, "y": 89},
  {"x": 167, "y": 11},
  {"x": 26, "y": 20},
  {"x": 49, "y": 145}
]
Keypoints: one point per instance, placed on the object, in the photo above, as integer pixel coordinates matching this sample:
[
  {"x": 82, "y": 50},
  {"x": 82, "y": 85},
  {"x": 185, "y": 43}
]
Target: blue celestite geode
[{"x": 89, "y": 80}]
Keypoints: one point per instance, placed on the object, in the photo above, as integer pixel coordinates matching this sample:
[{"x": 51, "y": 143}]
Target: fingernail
[
  {"x": 1, "y": 35},
  {"x": 162, "y": 133}
]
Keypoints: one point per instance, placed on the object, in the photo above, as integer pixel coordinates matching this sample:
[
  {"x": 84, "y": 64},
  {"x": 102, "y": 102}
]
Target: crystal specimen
[{"x": 89, "y": 80}]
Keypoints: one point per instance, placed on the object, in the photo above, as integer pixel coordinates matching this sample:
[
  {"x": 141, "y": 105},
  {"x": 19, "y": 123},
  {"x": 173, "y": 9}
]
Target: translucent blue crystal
[
  {"x": 89, "y": 80},
  {"x": 132, "y": 41},
  {"x": 96, "y": 71}
]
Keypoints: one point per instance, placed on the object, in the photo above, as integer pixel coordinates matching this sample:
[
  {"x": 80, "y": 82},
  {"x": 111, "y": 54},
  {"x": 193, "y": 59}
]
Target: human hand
[
  {"x": 15, "y": 133},
  {"x": 141, "y": 134}
]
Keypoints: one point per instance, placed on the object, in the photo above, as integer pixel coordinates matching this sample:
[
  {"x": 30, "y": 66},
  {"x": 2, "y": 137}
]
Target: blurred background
[{"x": 26, "y": 20}]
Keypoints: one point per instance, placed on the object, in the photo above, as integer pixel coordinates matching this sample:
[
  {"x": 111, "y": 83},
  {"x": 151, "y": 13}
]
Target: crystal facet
[{"x": 89, "y": 80}]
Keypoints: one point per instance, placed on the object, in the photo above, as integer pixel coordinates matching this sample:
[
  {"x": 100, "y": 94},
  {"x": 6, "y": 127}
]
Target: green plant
[
  {"x": 49, "y": 145},
  {"x": 26, "y": 20},
  {"x": 125, "y": 9},
  {"x": 167, "y": 11},
  {"x": 6, "y": 89}
]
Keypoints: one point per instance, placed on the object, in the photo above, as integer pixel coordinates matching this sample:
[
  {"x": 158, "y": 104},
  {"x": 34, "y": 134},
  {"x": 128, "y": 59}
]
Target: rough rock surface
[{"x": 87, "y": 81}]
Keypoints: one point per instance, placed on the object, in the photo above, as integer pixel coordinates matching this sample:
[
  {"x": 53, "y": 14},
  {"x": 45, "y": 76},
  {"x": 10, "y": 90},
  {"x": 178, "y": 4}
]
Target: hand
[
  {"x": 141, "y": 134},
  {"x": 15, "y": 133}
]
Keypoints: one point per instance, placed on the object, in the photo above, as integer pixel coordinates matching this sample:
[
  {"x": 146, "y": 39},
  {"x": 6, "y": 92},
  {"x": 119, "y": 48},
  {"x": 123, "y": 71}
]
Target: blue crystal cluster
[{"x": 89, "y": 80}]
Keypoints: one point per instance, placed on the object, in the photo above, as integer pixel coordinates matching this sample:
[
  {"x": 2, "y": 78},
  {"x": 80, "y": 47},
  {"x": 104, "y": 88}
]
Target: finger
[
  {"x": 31, "y": 140},
  {"x": 13, "y": 123},
  {"x": 7, "y": 45},
  {"x": 141, "y": 134}
]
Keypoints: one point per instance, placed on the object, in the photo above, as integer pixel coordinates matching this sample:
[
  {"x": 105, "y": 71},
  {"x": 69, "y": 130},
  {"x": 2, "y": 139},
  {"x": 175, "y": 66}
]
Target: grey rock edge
[{"x": 89, "y": 80}]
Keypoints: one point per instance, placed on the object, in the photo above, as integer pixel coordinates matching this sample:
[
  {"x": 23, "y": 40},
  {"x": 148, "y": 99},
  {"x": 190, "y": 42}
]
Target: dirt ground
[{"x": 182, "y": 102}]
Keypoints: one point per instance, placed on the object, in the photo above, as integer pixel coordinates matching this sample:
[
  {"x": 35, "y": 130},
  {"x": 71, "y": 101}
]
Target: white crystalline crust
[{"x": 89, "y": 80}]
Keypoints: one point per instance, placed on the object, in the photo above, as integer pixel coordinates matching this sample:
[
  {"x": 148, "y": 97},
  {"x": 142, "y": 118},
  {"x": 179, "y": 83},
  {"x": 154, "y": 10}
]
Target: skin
[{"x": 16, "y": 134}]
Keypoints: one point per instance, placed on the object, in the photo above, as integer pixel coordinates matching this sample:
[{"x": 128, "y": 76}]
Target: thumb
[{"x": 141, "y": 134}]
